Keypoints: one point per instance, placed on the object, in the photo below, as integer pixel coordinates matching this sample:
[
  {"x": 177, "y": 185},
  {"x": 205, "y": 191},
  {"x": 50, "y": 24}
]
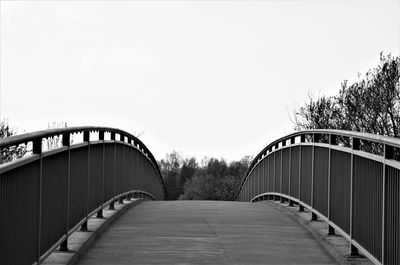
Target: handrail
[
  {"x": 38, "y": 135},
  {"x": 395, "y": 142}
]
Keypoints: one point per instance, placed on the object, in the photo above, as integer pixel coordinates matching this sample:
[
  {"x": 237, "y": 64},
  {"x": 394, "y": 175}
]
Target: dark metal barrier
[
  {"x": 350, "y": 180},
  {"x": 48, "y": 195}
]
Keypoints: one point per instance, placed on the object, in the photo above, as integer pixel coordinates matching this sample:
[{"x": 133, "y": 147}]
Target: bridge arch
[
  {"x": 350, "y": 180},
  {"x": 48, "y": 195}
]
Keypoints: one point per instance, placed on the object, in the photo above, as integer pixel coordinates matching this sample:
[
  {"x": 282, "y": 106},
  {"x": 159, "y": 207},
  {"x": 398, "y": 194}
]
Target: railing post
[
  {"x": 275, "y": 196},
  {"x": 388, "y": 152},
  {"x": 130, "y": 169},
  {"x": 315, "y": 138},
  {"x": 66, "y": 142},
  {"x": 101, "y": 138},
  {"x": 281, "y": 171},
  {"x": 356, "y": 143},
  {"x": 302, "y": 140},
  {"x": 332, "y": 141},
  {"x": 111, "y": 207},
  {"x": 137, "y": 168},
  {"x": 292, "y": 141},
  {"x": 86, "y": 138},
  {"x": 258, "y": 176},
  {"x": 123, "y": 164},
  {"x": 142, "y": 172},
  {"x": 264, "y": 189},
  {"x": 37, "y": 150}
]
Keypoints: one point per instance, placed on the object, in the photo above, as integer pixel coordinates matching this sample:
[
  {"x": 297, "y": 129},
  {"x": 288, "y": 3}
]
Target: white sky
[{"x": 201, "y": 77}]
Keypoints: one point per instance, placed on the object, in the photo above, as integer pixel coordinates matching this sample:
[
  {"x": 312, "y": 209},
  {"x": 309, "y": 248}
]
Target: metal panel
[
  {"x": 278, "y": 171},
  {"x": 340, "y": 189},
  {"x": 54, "y": 199},
  {"x": 251, "y": 183},
  {"x": 128, "y": 168},
  {"x": 95, "y": 188},
  {"x": 119, "y": 168},
  {"x": 306, "y": 172},
  {"x": 320, "y": 183},
  {"x": 78, "y": 185},
  {"x": 19, "y": 199},
  {"x": 367, "y": 206},
  {"x": 294, "y": 172},
  {"x": 285, "y": 170},
  {"x": 135, "y": 173},
  {"x": 262, "y": 177},
  {"x": 109, "y": 171},
  {"x": 392, "y": 216},
  {"x": 266, "y": 173},
  {"x": 271, "y": 167}
]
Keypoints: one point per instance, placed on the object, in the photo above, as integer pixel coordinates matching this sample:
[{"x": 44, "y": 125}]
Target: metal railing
[
  {"x": 48, "y": 195},
  {"x": 350, "y": 180}
]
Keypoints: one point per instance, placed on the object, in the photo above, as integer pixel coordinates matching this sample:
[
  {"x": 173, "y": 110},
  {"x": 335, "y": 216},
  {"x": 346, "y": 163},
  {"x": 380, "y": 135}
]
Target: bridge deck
[{"x": 205, "y": 232}]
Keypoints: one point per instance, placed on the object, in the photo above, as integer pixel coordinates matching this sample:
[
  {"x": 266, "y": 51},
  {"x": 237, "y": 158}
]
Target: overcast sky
[{"x": 201, "y": 77}]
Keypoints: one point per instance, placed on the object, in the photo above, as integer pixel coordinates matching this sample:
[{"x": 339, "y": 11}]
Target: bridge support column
[
  {"x": 121, "y": 200},
  {"x": 291, "y": 203},
  {"x": 84, "y": 226},
  {"x": 314, "y": 217},
  {"x": 64, "y": 245},
  {"x": 100, "y": 214},
  {"x": 111, "y": 207},
  {"x": 331, "y": 230},
  {"x": 353, "y": 251},
  {"x": 301, "y": 208}
]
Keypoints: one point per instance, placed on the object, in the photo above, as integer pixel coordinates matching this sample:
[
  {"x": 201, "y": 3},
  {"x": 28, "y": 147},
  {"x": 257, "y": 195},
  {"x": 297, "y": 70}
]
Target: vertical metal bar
[
  {"x": 331, "y": 230},
  {"x": 111, "y": 207},
  {"x": 115, "y": 165},
  {"x": 281, "y": 171},
  {"x": 130, "y": 171},
  {"x": 258, "y": 177},
  {"x": 66, "y": 142},
  {"x": 313, "y": 215},
  {"x": 123, "y": 164},
  {"x": 275, "y": 197},
  {"x": 355, "y": 146},
  {"x": 142, "y": 170},
  {"x": 101, "y": 138},
  {"x": 137, "y": 168},
  {"x": 302, "y": 139},
  {"x": 263, "y": 174},
  {"x": 388, "y": 152},
  {"x": 86, "y": 138},
  {"x": 290, "y": 172},
  {"x": 37, "y": 149}
]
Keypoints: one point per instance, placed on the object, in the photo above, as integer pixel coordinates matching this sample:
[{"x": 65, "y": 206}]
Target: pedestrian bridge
[{"x": 349, "y": 180}]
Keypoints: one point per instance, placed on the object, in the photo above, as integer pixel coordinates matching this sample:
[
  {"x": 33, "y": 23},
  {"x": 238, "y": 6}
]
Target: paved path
[{"x": 205, "y": 232}]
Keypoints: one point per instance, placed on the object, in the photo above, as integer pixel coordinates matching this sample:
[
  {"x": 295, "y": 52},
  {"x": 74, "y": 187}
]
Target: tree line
[{"x": 211, "y": 179}]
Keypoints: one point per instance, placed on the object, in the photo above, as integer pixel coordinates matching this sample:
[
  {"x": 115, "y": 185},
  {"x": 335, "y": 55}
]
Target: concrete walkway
[{"x": 205, "y": 232}]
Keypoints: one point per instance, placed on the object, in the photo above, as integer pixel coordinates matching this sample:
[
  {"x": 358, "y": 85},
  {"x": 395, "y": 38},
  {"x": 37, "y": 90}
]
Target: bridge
[{"x": 349, "y": 180}]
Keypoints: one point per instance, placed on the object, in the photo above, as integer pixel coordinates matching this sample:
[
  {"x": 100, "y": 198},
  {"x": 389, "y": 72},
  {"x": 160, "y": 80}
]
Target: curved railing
[
  {"x": 48, "y": 195},
  {"x": 350, "y": 180}
]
